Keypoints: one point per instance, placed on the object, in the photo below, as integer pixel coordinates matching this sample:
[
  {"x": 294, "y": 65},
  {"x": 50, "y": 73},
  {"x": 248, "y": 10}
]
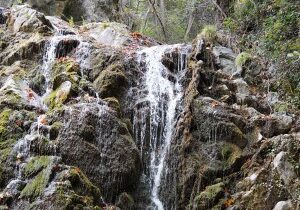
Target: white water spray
[{"x": 163, "y": 97}]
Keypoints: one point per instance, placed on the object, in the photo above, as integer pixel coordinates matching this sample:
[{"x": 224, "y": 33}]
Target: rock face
[
  {"x": 87, "y": 10},
  {"x": 69, "y": 106}
]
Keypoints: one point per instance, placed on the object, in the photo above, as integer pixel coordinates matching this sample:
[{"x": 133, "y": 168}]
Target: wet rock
[
  {"x": 284, "y": 168},
  {"x": 60, "y": 95},
  {"x": 28, "y": 48},
  {"x": 107, "y": 153},
  {"x": 62, "y": 25},
  {"x": 275, "y": 124},
  {"x": 212, "y": 124},
  {"x": 242, "y": 89},
  {"x": 125, "y": 201},
  {"x": 25, "y": 19},
  {"x": 111, "y": 82},
  {"x": 66, "y": 70}
]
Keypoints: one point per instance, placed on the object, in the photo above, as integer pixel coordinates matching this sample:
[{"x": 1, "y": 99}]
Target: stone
[
  {"x": 283, "y": 205},
  {"x": 25, "y": 19},
  {"x": 59, "y": 96},
  {"x": 111, "y": 82},
  {"x": 108, "y": 33},
  {"x": 242, "y": 89},
  {"x": 224, "y": 58},
  {"x": 44, "y": 6},
  {"x": 101, "y": 145},
  {"x": 284, "y": 168},
  {"x": 209, "y": 196}
]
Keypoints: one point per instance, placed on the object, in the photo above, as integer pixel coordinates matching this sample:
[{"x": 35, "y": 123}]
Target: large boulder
[{"x": 100, "y": 144}]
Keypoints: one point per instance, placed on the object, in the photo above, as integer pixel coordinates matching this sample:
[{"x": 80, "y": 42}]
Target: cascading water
[
  {"x": 52, "y": 52},
  {"x": 157, "y": 104},
  {"x": 54, "y": 49}
]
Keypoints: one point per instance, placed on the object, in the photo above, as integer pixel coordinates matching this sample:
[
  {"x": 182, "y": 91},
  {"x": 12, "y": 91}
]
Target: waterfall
[
  {"x": 158, "y": 102},
  {"x": 55, "y": 49},
  {"x": 60, "y": 45}
]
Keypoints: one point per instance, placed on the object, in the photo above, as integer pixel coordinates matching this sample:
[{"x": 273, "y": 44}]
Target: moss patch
[
  {"x": 242, "y": 58},
  {"x": 36, "y": 164},
  {"x": 230, "y": 153},
  {"x": 36, "y": 186},
  {"x": 209, "y": 196},
  {"x": 59, "y": 96},
  {"x": 209, "y": 33},
  {"x": 4, "y": 118},
  {"x": 81, "y": 184},
  {"x": 111, "y": 81}
]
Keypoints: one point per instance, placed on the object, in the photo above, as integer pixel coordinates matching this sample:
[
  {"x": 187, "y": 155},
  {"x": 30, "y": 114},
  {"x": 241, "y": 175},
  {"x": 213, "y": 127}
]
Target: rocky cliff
[{"x": 98, "y": 117}]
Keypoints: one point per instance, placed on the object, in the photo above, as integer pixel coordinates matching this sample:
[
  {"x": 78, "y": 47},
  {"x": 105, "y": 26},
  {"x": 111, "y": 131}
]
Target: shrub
[{"x": 209, "y": 33}]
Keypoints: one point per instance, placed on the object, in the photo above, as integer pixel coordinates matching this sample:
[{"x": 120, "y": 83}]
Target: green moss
[
  {"x": 66, "y": 70},
  {"x": 58, "y": 97},
  {"x": 242, "y": 58},
  {"x": 230, "y": 153},
  {"x": 81, "y": 184},
  {"x": 111, "y": 81},
  {"x": 36, "y": 164},
  {"x": 54, "y": 130},
  {"x": 4, "y": 118},
  {"x": 209, "y": 196},
  {"x": 36, "y": 186},
  {"x": 209, "y": 33}
]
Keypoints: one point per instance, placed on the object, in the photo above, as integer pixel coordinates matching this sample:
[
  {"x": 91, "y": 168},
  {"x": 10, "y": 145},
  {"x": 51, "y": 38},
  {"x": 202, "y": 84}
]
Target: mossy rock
[
  {"x": 113, "y": 103},
  {"x": 54, "y": 130},
  {"x": 242, "y": 58},
  {"x": 66, "y": 70},
  {"x": 59, "y": 96},
  {"x": 111, "y": 81},
  {"x": 37, "y": 185},
  {"x": 230, "y": 153},
  {"x": 36, "y": 164},
  {"x": 41, "y": 168},
  {"x": 4, "y": 119},
  {"x": 125, "y": 201},
  {"x": 209, "y": 196},
  {"x": 12, "y": 129},
  {"x": 81, "y": 184}
]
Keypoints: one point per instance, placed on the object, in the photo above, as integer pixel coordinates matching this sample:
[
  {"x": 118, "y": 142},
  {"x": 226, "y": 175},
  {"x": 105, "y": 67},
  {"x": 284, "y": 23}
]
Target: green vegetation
[
  {"x": 209, "y": 33},
  {"x": 36, "y": 164},
  {"x": 209, "y": 196},
  {"x": 36, "y": 186},
  {"x": 242, "y": 58},
  {"x": 230, "y": 153},
  {"x": 4, "y": 118},
  {"x": 270, "y": 30}
]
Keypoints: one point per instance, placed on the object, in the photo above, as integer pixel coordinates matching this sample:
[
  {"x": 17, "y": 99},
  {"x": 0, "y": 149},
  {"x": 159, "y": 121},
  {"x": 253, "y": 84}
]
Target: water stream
[
  {"x": 54, "y": 49},
  {"x": 158, "y": 103}
]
